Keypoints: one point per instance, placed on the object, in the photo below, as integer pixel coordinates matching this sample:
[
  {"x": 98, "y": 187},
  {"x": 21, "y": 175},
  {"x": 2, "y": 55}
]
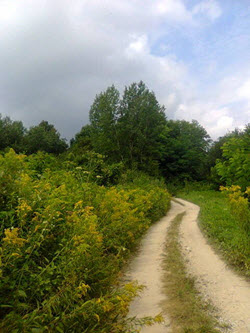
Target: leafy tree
[
  {"x": 11, "y": 134},
  {"x": 103, "y": 118},
  {"x": 234, "y": 168},
  {"x": 82, "y": 139},
  {"x": 184, "y": 153},
  {"x": 128, "y": 129},
  {"x": 44, "y": 137},
  {"x": 215, "y": 151},
  {"x": 140, "y": 124}
]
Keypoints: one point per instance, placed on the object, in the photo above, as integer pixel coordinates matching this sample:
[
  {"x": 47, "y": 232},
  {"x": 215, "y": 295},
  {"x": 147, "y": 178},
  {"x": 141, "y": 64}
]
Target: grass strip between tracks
[{"x": 184, "y": 305}]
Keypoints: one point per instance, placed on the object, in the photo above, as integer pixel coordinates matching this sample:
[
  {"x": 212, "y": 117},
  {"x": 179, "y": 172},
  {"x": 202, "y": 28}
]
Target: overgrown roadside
[
  {"x": 221, "y": 227},
  {"x": 188, "y": 312}
]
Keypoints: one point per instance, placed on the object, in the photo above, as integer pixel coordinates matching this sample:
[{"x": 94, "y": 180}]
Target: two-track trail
[{"x": 228, "y": 292}]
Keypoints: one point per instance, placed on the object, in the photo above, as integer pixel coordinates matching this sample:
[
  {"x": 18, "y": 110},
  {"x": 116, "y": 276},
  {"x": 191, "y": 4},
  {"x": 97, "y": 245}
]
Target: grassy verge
[
  {"x": 221, "y": 228},
  {"x": 184, "y": 305}
]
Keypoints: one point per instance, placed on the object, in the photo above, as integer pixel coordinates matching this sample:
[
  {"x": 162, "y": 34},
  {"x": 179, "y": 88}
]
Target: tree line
[
  {"x": 131, "y": 129},
  {"x": 43, "y": 137}
]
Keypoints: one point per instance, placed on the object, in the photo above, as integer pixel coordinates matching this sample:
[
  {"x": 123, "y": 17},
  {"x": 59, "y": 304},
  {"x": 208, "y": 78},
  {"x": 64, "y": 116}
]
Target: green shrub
[{"x": 63, "y": 242}]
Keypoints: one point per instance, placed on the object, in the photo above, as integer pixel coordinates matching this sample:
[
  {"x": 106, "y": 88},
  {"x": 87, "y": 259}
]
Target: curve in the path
[
  {"x": 229, "y": 292},
  {"x": 226, "y": 290}
]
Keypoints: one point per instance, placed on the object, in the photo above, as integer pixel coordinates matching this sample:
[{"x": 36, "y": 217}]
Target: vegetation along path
[{"x": 229, "y": 293}]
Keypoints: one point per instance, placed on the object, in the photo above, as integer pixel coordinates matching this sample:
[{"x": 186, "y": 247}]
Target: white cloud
[
  {"x": 137, "y": 46},
  {"x": 210, "y": 8},
  {"x": 244, "y": 90},
  {"x": 223, "y": 125},
  {"x": 172, "y": 9}
]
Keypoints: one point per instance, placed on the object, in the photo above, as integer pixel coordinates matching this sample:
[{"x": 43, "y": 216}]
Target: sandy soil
[
  {"x": 226, "y": 290},
  {"x": 146, "y": 268}
]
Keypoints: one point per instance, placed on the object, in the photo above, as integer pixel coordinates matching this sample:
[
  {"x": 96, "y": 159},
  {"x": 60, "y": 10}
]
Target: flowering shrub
[
  {"x": 63, "y": 241},
  {"x": 239, "y": 205}
]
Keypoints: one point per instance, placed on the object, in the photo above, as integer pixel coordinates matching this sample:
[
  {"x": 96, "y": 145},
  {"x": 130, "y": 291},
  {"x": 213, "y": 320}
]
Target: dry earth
[{"x": 228, "y": 292}]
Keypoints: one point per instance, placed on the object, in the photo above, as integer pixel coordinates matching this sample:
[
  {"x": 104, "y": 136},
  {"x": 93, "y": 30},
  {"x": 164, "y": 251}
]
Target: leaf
[
  {"x": 6, "y": 306},
  {"x": 37, "y": 330},
  {"x": 21, "y": 293}
]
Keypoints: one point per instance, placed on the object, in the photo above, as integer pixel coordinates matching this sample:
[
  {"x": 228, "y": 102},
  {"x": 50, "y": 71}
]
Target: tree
[
  {"x": 184, "y": 153},
  {"x": 234, "y": 168},
  {"x": 140, "y": 124},
  {"x": 82, "y": 139},
  {"x": 11, "y": 134},
  {"x": 215, "y": 151},
  {"x": 103, "y": 118},
  {"x": 44, "y": 137},
  {"x": 128, "y": 129}
]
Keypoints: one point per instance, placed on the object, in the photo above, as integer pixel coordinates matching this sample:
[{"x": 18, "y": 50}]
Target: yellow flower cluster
[{"x": 11, "y": 237}]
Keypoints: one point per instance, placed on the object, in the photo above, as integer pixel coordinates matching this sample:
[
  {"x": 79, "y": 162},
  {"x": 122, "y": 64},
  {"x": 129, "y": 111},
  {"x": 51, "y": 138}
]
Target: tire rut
[{"x": 228, "y": 292}]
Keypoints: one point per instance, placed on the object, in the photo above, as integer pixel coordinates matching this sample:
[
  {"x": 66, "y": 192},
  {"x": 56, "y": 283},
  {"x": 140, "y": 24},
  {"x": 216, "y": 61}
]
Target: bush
[
  {"x": 63, "y": 243},
  {"x": 239, "y": 205}
]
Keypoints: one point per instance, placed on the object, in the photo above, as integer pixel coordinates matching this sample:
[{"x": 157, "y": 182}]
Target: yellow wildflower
[
  {"x": 11, "y": 237},
  {"x": 83, "y": 289}
]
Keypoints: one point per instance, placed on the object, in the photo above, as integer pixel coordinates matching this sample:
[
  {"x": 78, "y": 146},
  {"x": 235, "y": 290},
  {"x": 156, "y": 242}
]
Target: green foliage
[
  {"x": 133, "y": 129},
  {"x": 125, "y": 129},
  {"x": 64, "y": 239},
  {"x": 93, "y": 167},
  {"x": 184, "y": 151},
  {"x": 44, "y": 137},
  {"x": 11, "y": 134},
  {"x": 222, "y": 227},
  {"x": 215, "y": 151},
  {"x": 239, "y": 205},
  {"x": 103, "y": 118},
  {"x": 235, "y": 168},
  {"x": 140, "y": 124},
  {"x": 41, "y": 161},
  {"x": 82, "y": 141}
]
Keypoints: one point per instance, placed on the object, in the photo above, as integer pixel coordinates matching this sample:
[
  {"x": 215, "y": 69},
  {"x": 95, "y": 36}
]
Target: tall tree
[
  {"x": 129, "y": 128},
  {"x": 11, "y": 134},
  {"x": 44, "y": 137},
  {"x": 141, "y": 121},
  {"x": 234, "y": 167},
  {"x": 185, "y": 147},
  {"x": 103, "y": 118}
]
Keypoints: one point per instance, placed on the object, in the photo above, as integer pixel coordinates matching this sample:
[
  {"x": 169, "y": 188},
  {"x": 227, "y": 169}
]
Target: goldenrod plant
[{"x": 63, "y": 242}]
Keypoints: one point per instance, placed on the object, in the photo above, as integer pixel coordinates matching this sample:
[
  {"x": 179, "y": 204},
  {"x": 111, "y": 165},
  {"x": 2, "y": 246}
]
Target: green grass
[
  {"x": 188, "y": 312},
  {"x": 221, "y": 227}
]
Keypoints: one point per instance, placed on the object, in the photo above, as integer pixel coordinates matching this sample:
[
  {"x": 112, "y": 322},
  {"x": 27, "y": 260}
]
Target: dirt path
[
  {"x": 146, "y": 268},
  {"x": 228, "y": 292}
]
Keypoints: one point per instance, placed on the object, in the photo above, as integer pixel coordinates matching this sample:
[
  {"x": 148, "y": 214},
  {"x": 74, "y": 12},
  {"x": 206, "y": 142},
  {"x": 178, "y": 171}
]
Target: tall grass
[
  {"x": 184, "y": 305},
  {"x": 222, "y": 227}
]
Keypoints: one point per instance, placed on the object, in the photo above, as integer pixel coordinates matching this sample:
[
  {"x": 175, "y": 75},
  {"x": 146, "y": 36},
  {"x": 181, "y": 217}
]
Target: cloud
[
  {"x": 172, "y": 9},
  {"x": 244, "y": 90},
  {"x": 57, "y": 55},
  {"x": 138, "y": 45},
  {"x": 210, "y": 8}
]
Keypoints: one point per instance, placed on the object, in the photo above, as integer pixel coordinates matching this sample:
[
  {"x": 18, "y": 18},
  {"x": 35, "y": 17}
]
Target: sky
[{"x": 56, "y": 55}]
